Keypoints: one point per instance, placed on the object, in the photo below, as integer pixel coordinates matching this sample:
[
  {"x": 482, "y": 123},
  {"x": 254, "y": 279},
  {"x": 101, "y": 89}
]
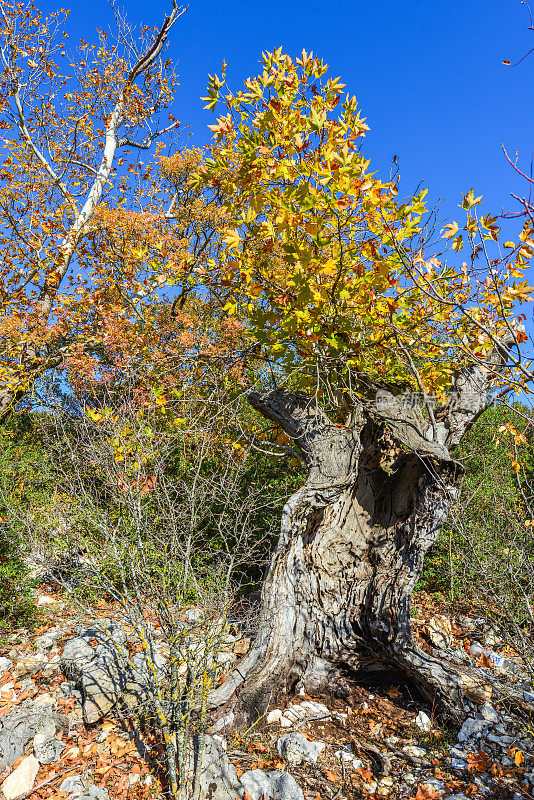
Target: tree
[
  {"x": 376, "y": 360},
  {"x": 69, "y": 141}
]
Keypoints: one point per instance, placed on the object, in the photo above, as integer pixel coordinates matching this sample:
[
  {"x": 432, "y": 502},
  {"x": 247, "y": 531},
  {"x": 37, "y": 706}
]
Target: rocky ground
[{"x": 66, "y": 731}]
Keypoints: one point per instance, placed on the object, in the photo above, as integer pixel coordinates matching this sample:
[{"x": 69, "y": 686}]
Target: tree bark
[{"x": 352, "y": 545}]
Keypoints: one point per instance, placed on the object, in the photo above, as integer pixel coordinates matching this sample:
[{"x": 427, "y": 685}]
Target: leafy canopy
[{"x": 320, "y": 260}]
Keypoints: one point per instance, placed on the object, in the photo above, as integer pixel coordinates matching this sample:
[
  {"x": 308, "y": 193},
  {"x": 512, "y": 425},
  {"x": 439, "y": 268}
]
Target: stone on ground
[
  {"x": 294, "y": 749},
  {"x": 22, "y": 779}
]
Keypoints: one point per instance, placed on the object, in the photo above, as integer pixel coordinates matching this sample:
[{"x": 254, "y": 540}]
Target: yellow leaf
[
  {"x": 450, "y": 230},
  {"x": 232, "y": 239}
]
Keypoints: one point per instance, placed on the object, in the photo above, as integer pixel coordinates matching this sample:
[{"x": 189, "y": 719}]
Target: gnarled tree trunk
[
  {"x": 351, "y": 549},
  {"x": 352, "y": 544}
]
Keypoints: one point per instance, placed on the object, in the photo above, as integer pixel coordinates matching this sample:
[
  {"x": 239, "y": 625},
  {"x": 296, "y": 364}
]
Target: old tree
[
  {"x": 370, "y": 352},
  {"x": 376, "y": 359}
]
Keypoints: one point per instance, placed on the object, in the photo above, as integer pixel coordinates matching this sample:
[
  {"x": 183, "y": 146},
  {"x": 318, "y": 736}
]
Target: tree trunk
[{"x": 351, "y": 549}]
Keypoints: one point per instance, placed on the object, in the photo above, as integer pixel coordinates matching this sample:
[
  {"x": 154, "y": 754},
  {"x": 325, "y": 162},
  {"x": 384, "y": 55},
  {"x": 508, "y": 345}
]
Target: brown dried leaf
[{"x": 331, "y": 776}]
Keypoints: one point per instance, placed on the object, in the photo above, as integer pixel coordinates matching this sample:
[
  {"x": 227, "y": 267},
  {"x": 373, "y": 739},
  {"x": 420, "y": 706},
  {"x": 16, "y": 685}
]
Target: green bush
[
  {"x": 486, "y": 552},
  {"x": 23, "y": 485}
]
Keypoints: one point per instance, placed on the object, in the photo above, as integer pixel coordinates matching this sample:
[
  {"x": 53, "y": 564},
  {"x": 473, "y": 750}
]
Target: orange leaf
[
  {"x": 518, "y": 758},
  {"x": 478, "y": 763},
  {"x": 425, "y": 792},
  {"x": 331, "y": 776},
  {"x": 366, "y": 774}
]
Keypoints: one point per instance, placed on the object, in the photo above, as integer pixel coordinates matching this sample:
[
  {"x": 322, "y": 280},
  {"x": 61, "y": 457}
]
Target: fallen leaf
[
  {"x": 479, "y": 762},
  {"x": 366, "y": 774},
  {"x": 519, "y": 758},
  {"x": 331, "y": 776},
  {"x": 426, "y": 792}
]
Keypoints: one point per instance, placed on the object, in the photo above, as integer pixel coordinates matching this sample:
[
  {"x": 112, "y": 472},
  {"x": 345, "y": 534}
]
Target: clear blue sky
[{"x": 428, "y": 75}]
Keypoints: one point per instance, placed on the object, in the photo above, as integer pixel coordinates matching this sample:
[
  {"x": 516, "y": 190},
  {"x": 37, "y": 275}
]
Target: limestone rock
[
  {"x": 47, "y": 748},
  {"x": 473, "y": 730},
  {"x": 275, "y": 785},
  {"x": 423, "y": 722},
  {"x": 96, "y": 662},
  {"x": 29, "y": 665},
  {"x": 5, "y": 664},
  {"x": 22, "y": 779},
  {"x": 218, "y": 777},
  {"x": 308, "y": 709},
  {"x": 48, "y": 640},
  {"x": 256, "y": 782},
  {"x": 440, "y": 632},
  {"x": 415, "y": 752},
  {"x": 294, "y": 749},
  {"x": 489, "y": 714},
  {"x": 80, "y": 788},
  {"x": 21, "y": 725}
]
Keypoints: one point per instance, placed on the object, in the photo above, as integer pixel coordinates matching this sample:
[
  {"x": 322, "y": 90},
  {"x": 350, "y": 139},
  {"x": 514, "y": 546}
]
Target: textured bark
[{"x": 352, "y": 545}]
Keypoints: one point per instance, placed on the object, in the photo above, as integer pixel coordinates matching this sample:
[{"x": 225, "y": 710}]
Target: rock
[
  {"x": 218, "y": 777},
  {"x": 52, "y": 666},
  {"x": 137, "y": 677},
  {"x": 413, "y": 751},
  {"x": 99, "y": 670},
  {"x": 489, "y": 714},
  {"x": 491, "y": 637},
  {"x": 294, "y": 749},
  {"x": 21, "y": 725},
  {"x": 285, "y": 786},
  {"x": 315, "y": 709},
  {"x": 384, "y": 786},
  {"x": 275, "y": 785},
  {"x": 344, "y": 755},
  {"x": 46, "y": 699},
  {"x": 357, "y": 763},
  {"x": 423, "y": 722},
  {"x": 434, "y": 785},
  {"x": 458, "y": 763},
  {"x": 473, "y": 730},
  {"x": 29, "y": 665},
  {"x": 371, "y": 787},
  {"x": 44, "y": 600},
  {"x": 47, "y": 748},
  {"x": 274, "y": 716},
  {"x": 5, "y": 664},
  {"x": 48, "y": 640},
  {"x": 22, "y": 779},
  {"x": 221, "y": 741},
  {"x": 242, "y": 646},
  {"x": 439, "y": 630},
  {"x": 308, "y": 709},
  {"x": 226, "y": 658},
  {"x": 81, "y": 788},
  {"x": 257, "y": 784}
]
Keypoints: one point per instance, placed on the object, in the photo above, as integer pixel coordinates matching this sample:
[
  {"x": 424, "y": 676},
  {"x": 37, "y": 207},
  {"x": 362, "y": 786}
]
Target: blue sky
[{"x": 428, "y": 76}]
